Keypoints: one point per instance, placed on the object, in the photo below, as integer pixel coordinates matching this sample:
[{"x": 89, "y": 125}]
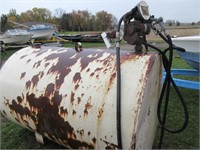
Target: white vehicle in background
[
  {"x": 16, "y": 36},
  {"x": 192, "y": 46},
  {"x": 41, "y": 31}
]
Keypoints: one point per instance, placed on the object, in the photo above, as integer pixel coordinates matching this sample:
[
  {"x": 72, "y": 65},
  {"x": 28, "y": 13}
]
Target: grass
[
  {"x": 86, "y": 44},
  {"x": 17, "y": 137},
  {"x": 189, "y": 138},
  {"x": 81, "y": 32},
  {"x": 6, "y": 54},
  {"x": 14, "y": 136}
]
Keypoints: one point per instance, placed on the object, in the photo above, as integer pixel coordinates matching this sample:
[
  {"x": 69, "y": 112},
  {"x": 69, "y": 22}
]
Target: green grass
[
  {"x": 17, "y": 137},
  {"x": 6, "y": 54},
  {"x": 86, "y": 44},
  {"x": 189, "y": 138},
  {"x": 14, "y": 136},
  {"x": 81, "y": 32}
]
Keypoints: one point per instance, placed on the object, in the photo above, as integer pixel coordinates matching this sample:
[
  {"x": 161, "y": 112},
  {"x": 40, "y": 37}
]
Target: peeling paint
[{"x": 70, "y": 97}]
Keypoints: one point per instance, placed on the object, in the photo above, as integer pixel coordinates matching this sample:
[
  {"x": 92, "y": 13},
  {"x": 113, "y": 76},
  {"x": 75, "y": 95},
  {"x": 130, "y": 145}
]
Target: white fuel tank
[{"x": 70, "y": 97}]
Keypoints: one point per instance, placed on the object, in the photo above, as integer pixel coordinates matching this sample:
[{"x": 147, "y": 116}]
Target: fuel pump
[{"x": 137, "y": 24}]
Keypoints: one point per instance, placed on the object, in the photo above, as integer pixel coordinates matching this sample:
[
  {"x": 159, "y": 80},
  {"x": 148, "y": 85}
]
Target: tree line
[{"x": 80, "y": 20}]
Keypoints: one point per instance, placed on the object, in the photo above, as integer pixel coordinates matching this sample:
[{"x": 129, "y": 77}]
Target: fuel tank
[{"x": 70, "y": 97}]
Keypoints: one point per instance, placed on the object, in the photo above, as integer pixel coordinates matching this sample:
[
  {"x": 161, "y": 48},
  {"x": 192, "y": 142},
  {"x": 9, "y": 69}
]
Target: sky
[{"x": 184, "y": 11}]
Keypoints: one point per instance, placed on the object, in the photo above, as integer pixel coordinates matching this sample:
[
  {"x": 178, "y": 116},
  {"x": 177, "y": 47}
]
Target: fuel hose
[{"x": 168, "y": 81}]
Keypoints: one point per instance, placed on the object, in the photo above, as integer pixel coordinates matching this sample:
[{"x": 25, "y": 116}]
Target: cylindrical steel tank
[{"x": 70, "y": 97}]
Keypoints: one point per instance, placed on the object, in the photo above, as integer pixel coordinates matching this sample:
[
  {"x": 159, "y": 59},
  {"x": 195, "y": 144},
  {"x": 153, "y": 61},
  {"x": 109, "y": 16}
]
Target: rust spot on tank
[
  {"x": 87, "y": 107},
  {"x": 94, "y": 140},
  {"x": 63, "y": 111},
  {"x": 74, "y": 112},
  {"x": 85, "y": 112},
  {"x": 62, "y": 67},
  {"x": 109, "y": 145},
  {"x": 112, "y": 77},
  {"x": 100, "y": 113},
  {"x": 77, "y": 77},
  {"x": 89, "y": 133},
  {"x": 82, "y": 132},
  {"x": 41, "y": 74},
  {"x": 35, "y": 80},
  {"x": 72, "y": 99},
  {"x": 18, "y": 109},
  {"x": 49, "y": 89},
  {"x": 105, "y": 70},
  {"x": 133, "y": 142},
  {"x": 105, "y": 63},
  {"x": 129, "y": 56},
  {"x": 76, "y": 87},
  {"x": 88, "y": 70},
  {"x": 22, "y": 75},
  {"x": 40, "y": 52},
  {"x": 101, "y": 110},
  {"x": 79, "y": 100},
  {"x": 92, "y": 74},
  {"x": 90, "y": 56},
  {"x": 28, "y": 60},
  {"x": 67, "y": 58},
  {"x": 150, "y": 64},
  {"x": 56, "y": 99},
  {"x": 28, "y": 84},
  {"x": 23, "y": 56},
  {"x": 48, "y": 121},
  {"x": 60, "y": 80},
  {"x": 46, "y": 64},
  {"x": 97, "y": 76},
  {"x": 37, "y": 64},
  {"x": 98, "y": 69},
  {"x": 19, "y": 99}
]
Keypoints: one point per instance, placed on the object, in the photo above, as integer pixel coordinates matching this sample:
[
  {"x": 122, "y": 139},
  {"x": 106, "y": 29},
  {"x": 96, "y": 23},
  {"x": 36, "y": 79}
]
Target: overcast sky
[{"x": 181, "y": 10}]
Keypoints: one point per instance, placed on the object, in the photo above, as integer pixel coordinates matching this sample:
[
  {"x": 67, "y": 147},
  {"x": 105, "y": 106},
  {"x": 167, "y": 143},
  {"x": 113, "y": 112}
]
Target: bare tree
[{"x": 58, "y": 12}]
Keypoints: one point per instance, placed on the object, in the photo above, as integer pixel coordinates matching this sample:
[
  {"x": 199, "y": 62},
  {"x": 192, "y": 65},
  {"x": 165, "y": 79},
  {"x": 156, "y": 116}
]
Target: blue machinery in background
[{"x": 185, "y": 83}]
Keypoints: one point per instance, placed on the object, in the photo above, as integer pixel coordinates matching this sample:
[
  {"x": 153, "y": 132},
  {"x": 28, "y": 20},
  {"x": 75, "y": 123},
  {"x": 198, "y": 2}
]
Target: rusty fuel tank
[{"x": 70, "y": 97}]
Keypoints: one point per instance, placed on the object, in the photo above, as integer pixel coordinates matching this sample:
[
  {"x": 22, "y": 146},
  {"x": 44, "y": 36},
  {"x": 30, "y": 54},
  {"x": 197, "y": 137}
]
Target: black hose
[
  {"x": 167, "y": 62},
  {"x": 118, "y": 100},
  {"x": 119, "y": 137},
  {"x": 169, "y": 80}
]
